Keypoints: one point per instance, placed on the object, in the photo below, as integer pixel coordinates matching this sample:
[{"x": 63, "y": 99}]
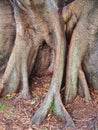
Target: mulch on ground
[{"x": 16, "y": 114}]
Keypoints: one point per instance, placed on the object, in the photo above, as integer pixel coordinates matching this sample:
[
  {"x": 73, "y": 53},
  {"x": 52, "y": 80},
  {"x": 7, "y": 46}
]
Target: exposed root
[
  {"x": 25, "y": 91},
  {"x": 61, "y": 112},
  {"x": 25, "y": 50},
  {"x": 75, "y": 56},
  {"x": 73, "y": 16},
  {"x": 84, "y": 86},
  {"x": 58, "y": 70},
  {"x": 70, "y": 20},
  {"x": 72, "y": 71},
  {"x": 11, "y": 77},
  {"x": 53, "y": 98},
  {"x": 7, "y": 33},
  {"x": 42, "y": 112}
]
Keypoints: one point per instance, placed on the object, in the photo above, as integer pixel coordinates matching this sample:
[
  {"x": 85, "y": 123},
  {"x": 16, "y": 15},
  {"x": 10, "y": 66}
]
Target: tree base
[{"x": 53, "y": 101}]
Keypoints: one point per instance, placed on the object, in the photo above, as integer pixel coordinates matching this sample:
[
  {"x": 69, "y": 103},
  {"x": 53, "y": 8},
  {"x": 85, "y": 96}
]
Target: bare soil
[{"x": 15, "y": 114}]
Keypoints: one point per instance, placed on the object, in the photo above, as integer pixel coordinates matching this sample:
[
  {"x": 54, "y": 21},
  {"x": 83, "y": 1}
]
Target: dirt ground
[{"x": 16, "y": 114}]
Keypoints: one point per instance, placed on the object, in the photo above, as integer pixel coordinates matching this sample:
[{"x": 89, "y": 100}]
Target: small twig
[{"x": 26, "y": 113}]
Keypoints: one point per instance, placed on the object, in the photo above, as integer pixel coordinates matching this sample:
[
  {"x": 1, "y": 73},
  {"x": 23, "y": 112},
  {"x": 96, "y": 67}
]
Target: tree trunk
[
  {"x": 45, "y": 36},
  {"x": 7, "y": 33},
  {"x": 85, "y": 32}
]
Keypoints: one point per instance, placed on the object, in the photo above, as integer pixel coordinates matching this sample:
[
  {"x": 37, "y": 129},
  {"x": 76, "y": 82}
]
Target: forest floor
[{"x": 16, "y": 114}]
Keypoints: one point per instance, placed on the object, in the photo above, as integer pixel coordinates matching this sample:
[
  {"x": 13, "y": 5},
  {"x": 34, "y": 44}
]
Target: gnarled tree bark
[{"x": 72, "y": 29}]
